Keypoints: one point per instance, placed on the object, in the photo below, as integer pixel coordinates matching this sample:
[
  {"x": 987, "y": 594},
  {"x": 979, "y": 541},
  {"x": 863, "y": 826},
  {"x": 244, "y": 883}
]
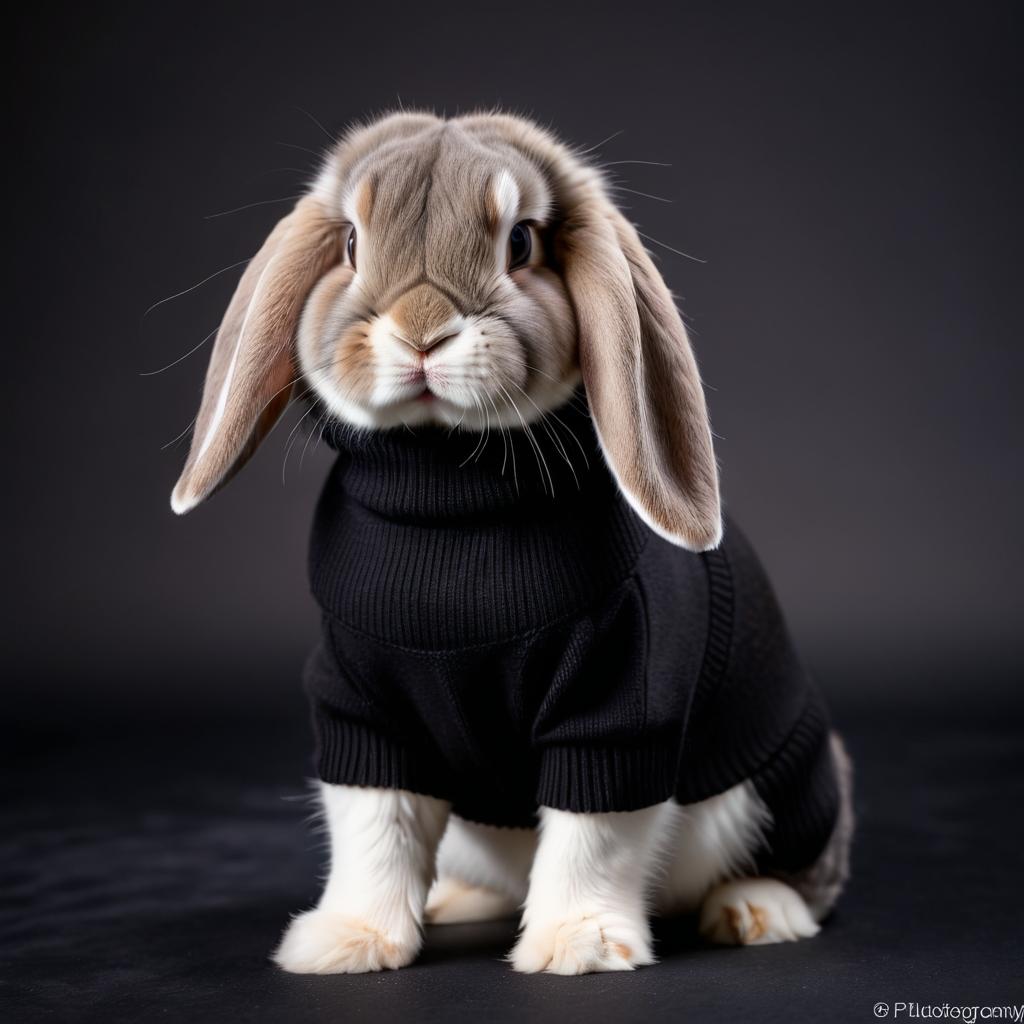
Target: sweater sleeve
[{"x": 361, "y": 741}]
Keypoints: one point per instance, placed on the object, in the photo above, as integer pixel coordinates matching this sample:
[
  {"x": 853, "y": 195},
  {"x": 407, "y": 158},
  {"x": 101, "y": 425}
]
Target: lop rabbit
[{"x": 548, "y": 678}]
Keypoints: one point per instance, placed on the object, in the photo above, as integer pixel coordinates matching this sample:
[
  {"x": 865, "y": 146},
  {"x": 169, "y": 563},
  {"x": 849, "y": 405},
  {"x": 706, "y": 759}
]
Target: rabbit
[{"x": 551, "y": 677}]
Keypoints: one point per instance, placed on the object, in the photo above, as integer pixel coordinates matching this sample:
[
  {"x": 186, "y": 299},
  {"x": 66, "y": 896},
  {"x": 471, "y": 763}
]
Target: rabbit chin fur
[{"x": 585, "y": 882}]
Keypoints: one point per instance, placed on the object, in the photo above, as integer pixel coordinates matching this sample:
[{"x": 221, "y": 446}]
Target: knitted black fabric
[{"x": 502, "y": 631}]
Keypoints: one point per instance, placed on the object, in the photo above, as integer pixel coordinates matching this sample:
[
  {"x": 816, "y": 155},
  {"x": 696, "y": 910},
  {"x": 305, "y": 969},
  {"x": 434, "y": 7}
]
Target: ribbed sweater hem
[
  {"x": 587, "y": 780},
  {"x": 352, "y": 754},
  {"x": 594, "y": 780}
]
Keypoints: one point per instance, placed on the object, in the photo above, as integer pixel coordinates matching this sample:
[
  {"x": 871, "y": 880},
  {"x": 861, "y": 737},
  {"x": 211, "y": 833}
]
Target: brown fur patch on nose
[{"x": 420, "y": 313}]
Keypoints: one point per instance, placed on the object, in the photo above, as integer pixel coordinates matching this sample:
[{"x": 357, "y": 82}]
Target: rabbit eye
[
  {"x": 520, "y": 245},
  {"x": 351, "y": 248}
]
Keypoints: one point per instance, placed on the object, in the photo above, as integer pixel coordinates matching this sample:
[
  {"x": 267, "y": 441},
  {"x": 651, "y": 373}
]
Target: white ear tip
[
  {"x": 715, "y": 539},
  {"x": 182, "y": 502},
  {"x": 697, "y": 542}
]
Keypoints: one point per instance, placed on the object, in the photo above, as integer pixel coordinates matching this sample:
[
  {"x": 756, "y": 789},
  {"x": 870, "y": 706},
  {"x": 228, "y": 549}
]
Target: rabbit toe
[
  {"x": 583, "y": 944},
  {"x": 324, "y": 942},
  {"x": 755, "y": 911}
]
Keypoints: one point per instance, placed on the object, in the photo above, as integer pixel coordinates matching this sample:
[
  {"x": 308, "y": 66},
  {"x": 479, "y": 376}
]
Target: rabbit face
[{"x": 446, "y": 307}]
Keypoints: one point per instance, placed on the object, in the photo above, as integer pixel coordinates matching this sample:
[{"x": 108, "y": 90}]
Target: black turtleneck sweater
[{"x": 491, "y": 644}]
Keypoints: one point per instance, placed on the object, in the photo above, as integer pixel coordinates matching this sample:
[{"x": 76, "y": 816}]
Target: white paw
[
  {"x": 754, "y": 912},
  {"x": 452, "y": 901},
  {"x": 323, "y": 942},
  {"x": 583, "y": 944}
]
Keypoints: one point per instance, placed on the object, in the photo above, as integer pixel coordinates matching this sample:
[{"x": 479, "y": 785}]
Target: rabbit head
[{"x": 463, "y": 272}]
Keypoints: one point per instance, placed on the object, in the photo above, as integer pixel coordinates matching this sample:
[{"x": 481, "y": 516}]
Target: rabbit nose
[
  {"x": 423, "y": 317},
  {"x": 424, "y": 345}
]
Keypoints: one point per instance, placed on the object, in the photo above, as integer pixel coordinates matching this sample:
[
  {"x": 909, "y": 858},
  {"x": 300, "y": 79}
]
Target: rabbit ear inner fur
[{"x": 252, "y": 368}]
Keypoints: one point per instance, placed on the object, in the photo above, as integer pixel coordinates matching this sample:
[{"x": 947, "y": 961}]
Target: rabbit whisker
[
  {"x": 180, "y": 359},
  {"x": 487, "y": 428},
  {"x": 301, "y": 149},
  {"x": 250, "y": 206},
  {"x": 558, "y": 441},
  {"x": 649, "y": 163},
  {"x": 334, "y": 139},
  {"x": 455, "y": 426},
  {"x": 175, "y": 440},
  {"x": 290, "y": 442},
  {"x": 322, "y": 424},
  {"x": 470, "y": 457},
  {"x": 598, "y": 145},
  {"x": 575, "y": 401},
  {"x": 503, "y": 431},
  {"x": 178, "y": 295},
  {"x": 512, "y": 448},
  {"x": 646, "y": 195},
  {"x": 665, "y": 245},
  {"x": 542, "y": 462},
  {"x": 274, "y": 170}
]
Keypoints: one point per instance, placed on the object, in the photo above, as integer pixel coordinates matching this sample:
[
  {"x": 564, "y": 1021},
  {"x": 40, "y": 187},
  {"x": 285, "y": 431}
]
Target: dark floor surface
[{"x": 149, "y": 868}]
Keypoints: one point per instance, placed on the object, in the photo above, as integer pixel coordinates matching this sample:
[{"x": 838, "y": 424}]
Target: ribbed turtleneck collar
[
  {"x": 440, "y": 539},
  {"x": 434, "y": 474}
]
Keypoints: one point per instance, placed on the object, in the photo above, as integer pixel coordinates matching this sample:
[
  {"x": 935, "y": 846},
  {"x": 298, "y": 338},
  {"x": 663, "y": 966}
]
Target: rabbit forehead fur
[{"x": 434, "y": 204}]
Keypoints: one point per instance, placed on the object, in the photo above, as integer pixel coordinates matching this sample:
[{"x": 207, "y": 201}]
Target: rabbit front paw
[
  {"x": 583, "y": 944},
  {"x": 325, "y": 942},
  {"x": 755, "y": 912}
]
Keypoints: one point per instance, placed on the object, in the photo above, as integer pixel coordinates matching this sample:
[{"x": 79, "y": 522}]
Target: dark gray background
[{"x": 850, "y": 176}]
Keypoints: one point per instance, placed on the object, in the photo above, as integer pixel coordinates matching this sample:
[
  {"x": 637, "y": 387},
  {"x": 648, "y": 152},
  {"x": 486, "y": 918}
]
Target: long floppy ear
[
  {"x": 641, "y": 377},
  {"x": 252, "y": 368}
]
